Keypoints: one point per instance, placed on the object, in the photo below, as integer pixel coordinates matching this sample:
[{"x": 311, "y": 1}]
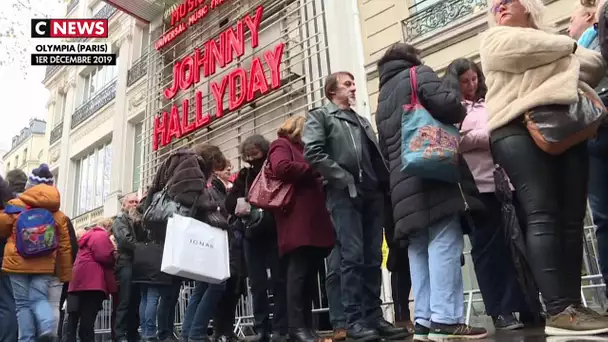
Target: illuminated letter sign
[
  {"x": 197, "y": 9},
  {"x": 240, "y": 86}
]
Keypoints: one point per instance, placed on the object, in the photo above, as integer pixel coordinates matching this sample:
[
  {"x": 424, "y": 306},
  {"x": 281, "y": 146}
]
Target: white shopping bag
[{"x": 196, "y": 250}]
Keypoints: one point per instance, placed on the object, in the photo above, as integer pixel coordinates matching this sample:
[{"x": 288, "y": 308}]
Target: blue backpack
[{"x": 35, "y": 231}]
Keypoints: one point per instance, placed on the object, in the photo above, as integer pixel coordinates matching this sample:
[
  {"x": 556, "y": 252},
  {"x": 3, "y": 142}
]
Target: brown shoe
[
  {"x": 576, "y": 320},
  {"x": 339, "y": 335}
]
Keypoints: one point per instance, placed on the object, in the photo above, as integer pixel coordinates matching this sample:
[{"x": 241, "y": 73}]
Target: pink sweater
[{"x": 475, "y": 145}]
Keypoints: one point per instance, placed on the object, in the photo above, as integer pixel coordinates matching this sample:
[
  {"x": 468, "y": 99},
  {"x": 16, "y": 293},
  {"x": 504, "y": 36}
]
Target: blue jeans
[
  {"x": 333, "y": 288},
  {"x": 34, "y": 312},
  {"x": 148, "y": 308},
  {"x": 598, "y": 194},
  {"x": 358, "y": 223},
  {"x": 436, "y": 273},
  {"x": 200, "y": 309},
  {"x": 8, "y": 314}
]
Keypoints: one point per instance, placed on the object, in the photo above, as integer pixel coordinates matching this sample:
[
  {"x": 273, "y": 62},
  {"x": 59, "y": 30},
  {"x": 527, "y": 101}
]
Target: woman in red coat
[
  {"x": 304, "y": 229},
  {"x": 92, "y": 281}
]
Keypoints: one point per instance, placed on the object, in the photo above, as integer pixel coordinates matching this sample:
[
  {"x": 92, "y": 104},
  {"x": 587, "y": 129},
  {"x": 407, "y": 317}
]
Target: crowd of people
[{"x": 345, "y": 189}]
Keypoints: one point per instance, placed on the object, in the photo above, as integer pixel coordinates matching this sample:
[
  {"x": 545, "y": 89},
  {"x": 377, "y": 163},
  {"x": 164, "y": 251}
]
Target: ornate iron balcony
[
  {"x": 56, "y": 133},
  {"x": 72, "y": 5},
  {"x": 94, "y": 104},
  {"x": 439, "y": 15},
  {"x": 50, "y": 71},
  {"x": 105, "y": 12},
  {"x": 137, "y": 70}
]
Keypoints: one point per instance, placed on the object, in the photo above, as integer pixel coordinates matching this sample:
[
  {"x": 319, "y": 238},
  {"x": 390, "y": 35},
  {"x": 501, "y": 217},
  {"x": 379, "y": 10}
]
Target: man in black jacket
[
  {"x": 124, "y": 230},
  {"x": 342, "y": 147}
]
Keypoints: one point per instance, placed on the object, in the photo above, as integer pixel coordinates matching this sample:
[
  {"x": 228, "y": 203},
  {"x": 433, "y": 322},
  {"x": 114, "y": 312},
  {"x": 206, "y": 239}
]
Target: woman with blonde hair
[
  {"x": 304, "y": 229},
  {"x": 529, "y": 69}
]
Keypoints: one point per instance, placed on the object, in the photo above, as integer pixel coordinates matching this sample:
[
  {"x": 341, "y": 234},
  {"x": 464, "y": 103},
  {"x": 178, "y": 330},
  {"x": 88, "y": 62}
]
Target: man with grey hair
[
  {"x": 125, "y": 228},
  {"x": 342, "y": 147}
]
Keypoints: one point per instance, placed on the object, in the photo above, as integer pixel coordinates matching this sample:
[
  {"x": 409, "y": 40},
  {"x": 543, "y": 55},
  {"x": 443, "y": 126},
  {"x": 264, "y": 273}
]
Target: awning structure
[{"x": 145, "y": 10}]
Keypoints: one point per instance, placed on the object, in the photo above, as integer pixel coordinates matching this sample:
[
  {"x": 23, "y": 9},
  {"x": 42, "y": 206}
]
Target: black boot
[
  {"x": 261, "y": 337},
  {"x": 278, "y": 337},
  {"x": 390, "y": 332},
  {"x": 360, "y": 332},
  {"x": 302, "y": 335}
]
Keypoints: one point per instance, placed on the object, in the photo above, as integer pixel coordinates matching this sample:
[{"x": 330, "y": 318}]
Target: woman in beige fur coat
[{"x": 527, "y": 66}]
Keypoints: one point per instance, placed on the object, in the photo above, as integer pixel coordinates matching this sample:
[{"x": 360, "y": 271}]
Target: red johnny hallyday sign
[{"x": 243, "y": 86}]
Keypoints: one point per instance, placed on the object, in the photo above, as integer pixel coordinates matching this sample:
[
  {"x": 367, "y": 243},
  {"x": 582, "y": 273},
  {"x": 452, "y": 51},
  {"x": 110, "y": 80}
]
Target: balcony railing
[
  {"x": 72, "y": 5},
  {"x": 137, "y": 70},
  {"x": 104, "y": 13},
  {"x": 56, "y": 133},
  {"x": 50, "y": 71},
  {"x": 439, "y": 15},
  {"x": 94, "y": 104},
  {"x": 88, "y": 218}
]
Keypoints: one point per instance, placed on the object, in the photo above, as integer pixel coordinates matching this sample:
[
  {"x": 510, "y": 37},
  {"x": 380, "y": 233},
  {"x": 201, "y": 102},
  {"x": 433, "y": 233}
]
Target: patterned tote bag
[{"x": 429, "y": 148}]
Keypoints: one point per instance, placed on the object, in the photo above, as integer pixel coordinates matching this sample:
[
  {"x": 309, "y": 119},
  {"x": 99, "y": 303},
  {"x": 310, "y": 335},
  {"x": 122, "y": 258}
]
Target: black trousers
[
  {"x": 552, "y": 191},
  {"x": 127, "y": 312},
  {"x": 401, "y": 285},
  {"x": 62, "y": 300},
  {"x": 82, "y": 313},
  {"x": 302, "y": 269},
  {"x": 225, "y": 313},
  {"x": 496, "y": 274},
  {"x": 262, "y": 254}
]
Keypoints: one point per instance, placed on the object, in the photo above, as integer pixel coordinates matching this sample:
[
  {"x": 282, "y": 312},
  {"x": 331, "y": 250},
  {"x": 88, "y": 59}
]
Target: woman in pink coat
[
  {"x": 92, "y": 282},
  {"x": 496, "y": 275}
]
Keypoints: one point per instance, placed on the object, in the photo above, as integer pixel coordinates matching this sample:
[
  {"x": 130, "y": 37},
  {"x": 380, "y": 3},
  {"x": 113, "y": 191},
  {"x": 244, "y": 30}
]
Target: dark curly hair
[
  {"x": 459, "y": 66},
  {"x": 255, "y": 141},
  {"x": 401, "y": 51},
  {"x": 212, "y": 157}
]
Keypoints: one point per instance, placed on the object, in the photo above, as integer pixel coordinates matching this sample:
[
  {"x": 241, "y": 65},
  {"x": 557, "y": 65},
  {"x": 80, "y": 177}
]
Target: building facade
[
  {"x": 84, "y": 128},
  {"x": 28, "y": 148},
  {"x": 257, "y": 63},
  {"x": 442, "y": 29}
]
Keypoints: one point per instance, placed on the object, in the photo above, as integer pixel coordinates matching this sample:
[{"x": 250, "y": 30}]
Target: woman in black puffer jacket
[{"x": 426, "y": 212}]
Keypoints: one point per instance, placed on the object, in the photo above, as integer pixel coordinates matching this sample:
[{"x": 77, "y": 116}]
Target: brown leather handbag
[
  {"x": 556, "y": 128},
  {"x": 268, "y": 192}
]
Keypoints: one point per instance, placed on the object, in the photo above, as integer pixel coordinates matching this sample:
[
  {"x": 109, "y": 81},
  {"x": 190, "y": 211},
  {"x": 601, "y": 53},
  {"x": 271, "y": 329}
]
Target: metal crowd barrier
[{"x": 592, "y": 292}]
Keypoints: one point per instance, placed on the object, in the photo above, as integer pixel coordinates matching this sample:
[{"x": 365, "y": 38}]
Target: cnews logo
[{"x": 69, "y": 28}]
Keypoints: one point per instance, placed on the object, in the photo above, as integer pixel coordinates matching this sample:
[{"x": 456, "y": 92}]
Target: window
[
  {"x": 25, "y": 155},
  {"x": 8, "y": 166},
  {"x": 137, "y": 156},
  {"x": 16, "y": 161},
  {"x": 60, "y": 109},
  {"x": 145, "y": 40},
  {"x": 96, "y": 80},
  {"x": 92, "y": 179}
]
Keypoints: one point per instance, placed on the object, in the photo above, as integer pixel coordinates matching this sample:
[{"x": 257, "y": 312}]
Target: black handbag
[
  {"x": 147, "y": 259},
  {"x": 163, "y": 207},
  {"x": 218, "y": 217}
]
